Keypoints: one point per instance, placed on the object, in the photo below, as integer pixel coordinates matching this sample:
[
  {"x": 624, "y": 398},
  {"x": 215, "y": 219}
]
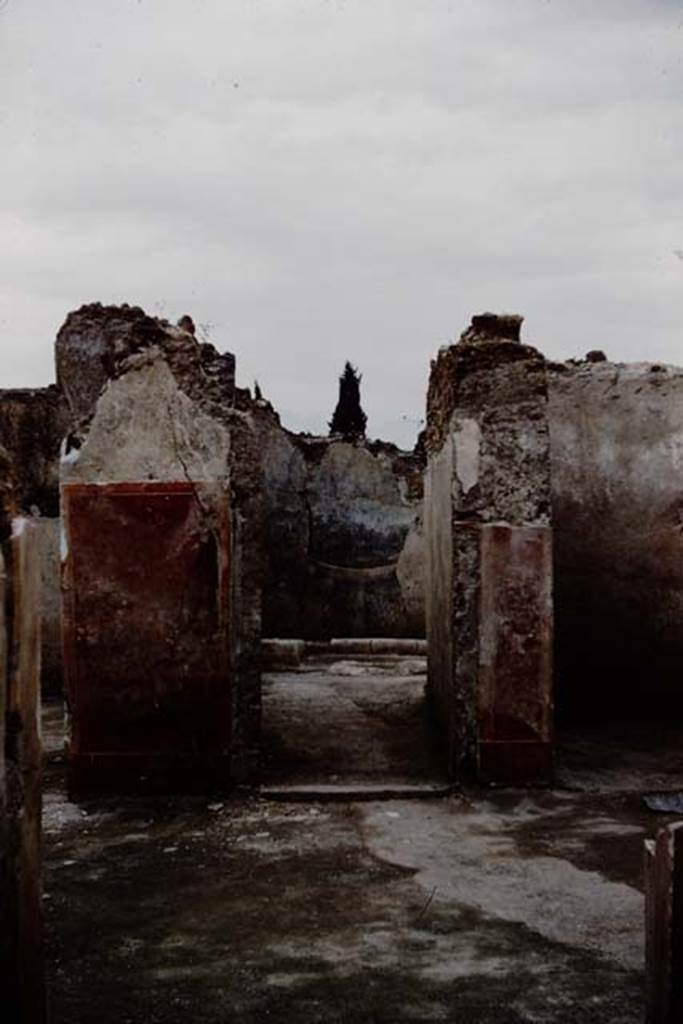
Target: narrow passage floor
[{"x": 357, "y": 725}]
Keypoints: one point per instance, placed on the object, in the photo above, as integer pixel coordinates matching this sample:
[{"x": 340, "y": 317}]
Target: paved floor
[
  {"x": 353, "y": 725},
  {"x": 481, "y": 908}
]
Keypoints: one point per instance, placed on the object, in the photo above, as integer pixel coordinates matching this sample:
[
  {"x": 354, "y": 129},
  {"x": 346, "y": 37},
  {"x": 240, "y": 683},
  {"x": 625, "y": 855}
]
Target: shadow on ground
[{"x": 483, "y": 908}]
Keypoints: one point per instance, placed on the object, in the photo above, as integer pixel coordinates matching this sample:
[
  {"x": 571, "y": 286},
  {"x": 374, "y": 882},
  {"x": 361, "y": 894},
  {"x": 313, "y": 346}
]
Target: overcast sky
[{"x": 315, "y": 181}]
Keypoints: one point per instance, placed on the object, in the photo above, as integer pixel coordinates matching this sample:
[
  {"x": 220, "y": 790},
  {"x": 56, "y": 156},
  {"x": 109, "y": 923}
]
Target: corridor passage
[{"x": 351, "y": 724}]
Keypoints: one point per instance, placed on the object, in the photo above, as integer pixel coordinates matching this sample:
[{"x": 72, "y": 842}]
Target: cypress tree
[{"x": 349, "y": 419}]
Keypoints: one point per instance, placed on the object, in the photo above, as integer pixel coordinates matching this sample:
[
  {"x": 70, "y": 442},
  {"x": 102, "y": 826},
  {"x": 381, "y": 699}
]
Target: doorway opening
[{"x": 349, "y": 717}]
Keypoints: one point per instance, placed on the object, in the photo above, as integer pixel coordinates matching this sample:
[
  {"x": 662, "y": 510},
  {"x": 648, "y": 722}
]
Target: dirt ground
[{"x": 482, "y": 907}]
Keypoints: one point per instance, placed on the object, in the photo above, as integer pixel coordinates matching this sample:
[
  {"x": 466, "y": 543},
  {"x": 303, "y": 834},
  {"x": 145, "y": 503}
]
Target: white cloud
[{"x": 328, "y": 180}]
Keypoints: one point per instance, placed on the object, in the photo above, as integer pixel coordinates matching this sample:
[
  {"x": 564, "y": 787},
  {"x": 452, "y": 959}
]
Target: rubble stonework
[
  {"x": 489, "y": 571},
  {"x": 95, "y": 342},
  {"x": 161, "y": 493}
]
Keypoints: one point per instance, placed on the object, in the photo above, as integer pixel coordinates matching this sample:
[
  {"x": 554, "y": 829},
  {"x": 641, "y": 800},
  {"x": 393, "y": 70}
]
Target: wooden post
[
  {"x": 664, "y": 926},
  {"x": 21, "y": 946}
]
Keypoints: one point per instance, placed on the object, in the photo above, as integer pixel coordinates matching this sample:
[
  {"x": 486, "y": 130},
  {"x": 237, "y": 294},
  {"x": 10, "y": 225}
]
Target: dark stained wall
[
  {"x": 617, "y": 492},
  {"x": 344, "y": 544},
  {"x": 32, "y": 425}
]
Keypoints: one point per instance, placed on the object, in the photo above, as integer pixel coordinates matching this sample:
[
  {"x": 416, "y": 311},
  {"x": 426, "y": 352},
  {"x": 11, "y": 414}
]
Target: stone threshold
[{"x": 344, "y": 792}]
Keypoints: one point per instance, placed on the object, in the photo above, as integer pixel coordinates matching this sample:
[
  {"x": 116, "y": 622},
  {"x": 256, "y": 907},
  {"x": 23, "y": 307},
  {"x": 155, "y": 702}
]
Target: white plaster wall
[{"x": 146, "y": 428}]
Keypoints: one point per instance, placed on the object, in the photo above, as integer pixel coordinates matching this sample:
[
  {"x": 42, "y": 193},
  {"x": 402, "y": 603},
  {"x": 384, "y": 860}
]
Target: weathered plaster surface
[
  {"x": 161, "y": 422},
  {"x": 344, "y": 538},
  {"x": 489, "y": 476},
  {"x": 146, "y": 428},
  {"x": 147, "y": 635},
  {"x": 514, "y": 686},
  {"x": 410, "y": 572},
  {"x": 467, "y": 441},
  {"x": 358, "y": 517},
  {"x": 617, "y": 480}
]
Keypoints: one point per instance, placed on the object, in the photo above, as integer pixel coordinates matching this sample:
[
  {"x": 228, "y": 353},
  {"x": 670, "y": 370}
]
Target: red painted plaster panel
[
  {"x": 146, "y": 629},
  {"x": 514, "y": 699}
]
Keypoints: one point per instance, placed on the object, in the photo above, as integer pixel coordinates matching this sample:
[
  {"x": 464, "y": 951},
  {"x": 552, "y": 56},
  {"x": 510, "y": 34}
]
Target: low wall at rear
[{"x": 344, "y": 539}]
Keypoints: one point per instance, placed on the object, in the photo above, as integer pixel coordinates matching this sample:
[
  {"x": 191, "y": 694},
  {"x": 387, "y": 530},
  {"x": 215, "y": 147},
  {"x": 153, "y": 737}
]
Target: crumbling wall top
[
  {"x": 466, "y": 373},
  {"x": 98, "y": 343},
  {"x": 486, "y": 326}
]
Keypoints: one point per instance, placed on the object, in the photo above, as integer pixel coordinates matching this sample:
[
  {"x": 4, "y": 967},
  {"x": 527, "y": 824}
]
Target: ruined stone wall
[
  {"x": 345, "y": 551},
  {"x": 161, "y": 492},
  {"x": 616, "y": 471},
  {"x": 489, "y": 571},
  {"x": 95, "y": 341},
  {"x": 617, "y": 481},
  {"x": 344, "y": 547},
  {"x": 344, "y": 541},
  {"x": 32, "y": 425}
]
